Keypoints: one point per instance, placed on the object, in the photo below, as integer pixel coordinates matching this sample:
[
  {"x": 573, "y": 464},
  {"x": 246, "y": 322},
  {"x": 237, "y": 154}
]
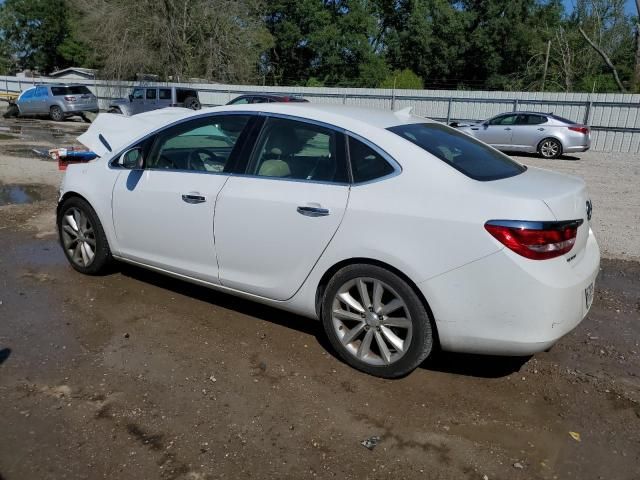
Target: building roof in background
[{"x": 74, "y": 71}]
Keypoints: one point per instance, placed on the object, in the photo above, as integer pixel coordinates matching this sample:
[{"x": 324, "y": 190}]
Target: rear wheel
[
  {"x": 56, "y": 113},
  {"x": 376, "y": 322},
  {"x": 193, "y": 103},
  {"x": 82, "y": 237},
  {"x": 550, "y": 148}
]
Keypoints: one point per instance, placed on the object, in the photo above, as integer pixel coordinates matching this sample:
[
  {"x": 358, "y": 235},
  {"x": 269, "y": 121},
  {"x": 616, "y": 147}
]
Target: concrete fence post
[
  {"x": 449, "y": 110},
  {"x": 344, "y": 98},
  {"x": 515, "y": 105}
]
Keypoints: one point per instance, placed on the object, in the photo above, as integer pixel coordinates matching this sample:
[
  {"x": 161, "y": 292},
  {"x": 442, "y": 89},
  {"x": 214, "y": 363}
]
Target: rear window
[
  {"x": 464, "y": 153},
  {"x": 71, "y": 90},
  {"x": 562, "y": 119}
]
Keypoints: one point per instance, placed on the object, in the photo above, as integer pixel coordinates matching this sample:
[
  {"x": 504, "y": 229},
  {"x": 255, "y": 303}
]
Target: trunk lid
[{"x": 565, "y": 195}]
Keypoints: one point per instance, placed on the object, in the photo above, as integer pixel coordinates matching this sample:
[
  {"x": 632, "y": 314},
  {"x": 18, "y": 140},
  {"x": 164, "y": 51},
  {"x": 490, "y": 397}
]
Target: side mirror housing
[
  {"x": 131, "y": 97},
  {"x": 132, "y": 159}
]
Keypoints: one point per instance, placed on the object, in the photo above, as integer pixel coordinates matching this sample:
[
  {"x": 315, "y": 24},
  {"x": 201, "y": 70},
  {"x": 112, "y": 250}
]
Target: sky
[{"x": 630, "y": 6}]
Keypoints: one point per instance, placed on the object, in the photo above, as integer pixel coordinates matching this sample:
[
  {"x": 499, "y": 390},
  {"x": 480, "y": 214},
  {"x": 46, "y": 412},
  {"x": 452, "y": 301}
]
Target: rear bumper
[
  {"x": 577, "y": 149},
  {"x": 504, "y": 304}
]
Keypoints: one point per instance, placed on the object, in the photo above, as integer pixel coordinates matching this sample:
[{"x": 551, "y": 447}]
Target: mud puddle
[
  {"x": 27, "y": 151},
  {"x": 19, "y": 194}
]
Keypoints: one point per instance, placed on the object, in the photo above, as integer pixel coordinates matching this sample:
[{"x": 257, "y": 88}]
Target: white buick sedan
[{"x": 400, "y": 234}]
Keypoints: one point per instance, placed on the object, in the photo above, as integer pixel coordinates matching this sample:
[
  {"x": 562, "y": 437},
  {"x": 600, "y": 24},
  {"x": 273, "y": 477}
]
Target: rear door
[
  {"x": 274, "y": 222},
  {"x": 163, "y": 214},
  {"x": 164, "y": 97}
]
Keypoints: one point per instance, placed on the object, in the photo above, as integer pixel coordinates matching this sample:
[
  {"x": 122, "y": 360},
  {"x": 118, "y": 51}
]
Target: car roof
[{"x": 121, "y": 131}]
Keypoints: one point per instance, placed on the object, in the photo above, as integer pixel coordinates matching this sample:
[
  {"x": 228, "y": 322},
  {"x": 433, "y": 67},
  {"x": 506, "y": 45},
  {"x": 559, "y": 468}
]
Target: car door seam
[
  {"x": 213, "y": 227},
  {"x": 344, "y": 213}
]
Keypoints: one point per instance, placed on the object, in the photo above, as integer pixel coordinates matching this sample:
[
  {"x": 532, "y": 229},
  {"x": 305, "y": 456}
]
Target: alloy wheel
[
  {"x": 371, "y": 321},
  {"x": 78, "y": 237},
  {"x": 549, "y": 148}
]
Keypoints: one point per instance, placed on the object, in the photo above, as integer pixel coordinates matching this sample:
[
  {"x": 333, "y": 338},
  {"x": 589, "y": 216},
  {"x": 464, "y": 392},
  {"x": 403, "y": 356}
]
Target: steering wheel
[{"x": 195, "y": 161}]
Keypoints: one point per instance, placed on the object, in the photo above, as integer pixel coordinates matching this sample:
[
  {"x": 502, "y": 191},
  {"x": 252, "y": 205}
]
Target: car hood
[{"x": 110, "y": 133}]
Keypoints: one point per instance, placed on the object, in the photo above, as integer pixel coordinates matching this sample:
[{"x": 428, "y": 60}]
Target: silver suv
[
  {"x": 544, "y": 133},
  {"x": 58, "y": 101},
  {"x": 143, "y": 99}
]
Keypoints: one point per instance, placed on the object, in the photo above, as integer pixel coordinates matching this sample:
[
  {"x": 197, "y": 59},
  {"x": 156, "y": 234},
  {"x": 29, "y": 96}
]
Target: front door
[
  {"x": 163, "y": 214},
  {"x": 273, "y": 223},
  {"x": 497, "y": 131},
  {"x": 137, "y": 100}
]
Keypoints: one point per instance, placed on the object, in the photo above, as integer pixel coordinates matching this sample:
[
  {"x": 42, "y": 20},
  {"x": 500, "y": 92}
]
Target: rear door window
[
  {"x": 299, "y": 151},
  {"x": 164, "y": 94},
  {"x": 459, "y": 150}
]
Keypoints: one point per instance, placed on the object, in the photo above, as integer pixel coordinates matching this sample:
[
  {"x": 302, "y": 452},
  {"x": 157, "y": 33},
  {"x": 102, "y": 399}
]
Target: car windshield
[
  {"x": 70, "y": 90},
  {"x": 464, "y": 153}
]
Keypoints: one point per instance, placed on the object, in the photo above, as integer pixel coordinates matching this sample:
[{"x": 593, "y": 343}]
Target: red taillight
[
  {"x": 535, "y": 240},
  {"x": 583, "y": 130},
  {"x": 70, "y": 99}
]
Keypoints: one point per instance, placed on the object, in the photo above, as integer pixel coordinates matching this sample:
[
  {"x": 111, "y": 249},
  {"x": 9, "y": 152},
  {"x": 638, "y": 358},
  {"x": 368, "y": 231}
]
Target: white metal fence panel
[{"x": 614, "y": 117}]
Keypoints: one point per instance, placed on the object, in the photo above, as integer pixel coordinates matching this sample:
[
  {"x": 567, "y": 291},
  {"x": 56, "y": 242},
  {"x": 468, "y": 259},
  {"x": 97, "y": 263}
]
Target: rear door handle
[
  {"x": 313, "y": 211},
  {"x": 193, "y": 198},
  {"x": 507, "y": 128},
  {"x": 541, "y": 129}
]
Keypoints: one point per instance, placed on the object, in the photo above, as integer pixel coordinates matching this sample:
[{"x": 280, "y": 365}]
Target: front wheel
[
  {"x": 376, "y": 322},
  {"x": 82, "y": 237},
  {"x": 550, "y": 148}
]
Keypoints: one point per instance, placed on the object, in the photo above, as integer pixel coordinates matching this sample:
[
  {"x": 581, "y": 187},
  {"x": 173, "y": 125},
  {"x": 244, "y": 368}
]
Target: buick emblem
[{"x": 589, "y": 209}]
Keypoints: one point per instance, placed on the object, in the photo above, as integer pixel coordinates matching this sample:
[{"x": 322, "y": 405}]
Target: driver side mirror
[
  {"x": 132, "y": 159},
  {"x": 131, "y": 97}
]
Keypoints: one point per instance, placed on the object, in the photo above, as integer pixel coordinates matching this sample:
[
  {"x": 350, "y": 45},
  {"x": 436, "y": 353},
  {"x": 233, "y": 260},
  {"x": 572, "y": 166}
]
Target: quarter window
[
  {"x": 299, "y": 150},
  {"x": 366, "y": 163},
  {"x": 203, "y": 145}
]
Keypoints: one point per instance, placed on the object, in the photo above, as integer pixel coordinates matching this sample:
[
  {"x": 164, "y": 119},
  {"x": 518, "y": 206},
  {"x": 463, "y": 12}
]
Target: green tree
[
  {"x": 403, "y": 79},
  {"x": 32, "y": 31}
]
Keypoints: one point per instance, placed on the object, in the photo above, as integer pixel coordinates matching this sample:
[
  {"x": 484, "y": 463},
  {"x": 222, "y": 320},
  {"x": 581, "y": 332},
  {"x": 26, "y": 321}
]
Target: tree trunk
[{"x": 605, "y": 57}]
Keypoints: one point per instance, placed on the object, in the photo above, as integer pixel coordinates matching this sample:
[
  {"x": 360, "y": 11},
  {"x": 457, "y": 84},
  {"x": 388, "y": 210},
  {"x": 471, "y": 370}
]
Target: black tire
[
  {"x": 56, "y": 114},
  {"x": 102, "y": 253},
  {"x": 12, "y": 111},
  {"x": 193, "y": 103},
  {"x": 422, "y": 338},
  {"x": 550, "y": 148},
  {"x": 115, "y": 110}
]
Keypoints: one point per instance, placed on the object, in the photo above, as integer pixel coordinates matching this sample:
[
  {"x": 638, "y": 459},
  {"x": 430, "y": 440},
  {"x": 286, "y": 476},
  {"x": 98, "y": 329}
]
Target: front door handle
[
  {"x": 507, "y": 128},
  {"x": 541, "y": 129},
  {"x": 193, "y": 198},
  {"x": 313, "y": 211}
]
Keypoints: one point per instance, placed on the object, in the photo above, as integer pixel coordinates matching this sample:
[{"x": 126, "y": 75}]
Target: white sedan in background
[{"x": 400, "y": 234}]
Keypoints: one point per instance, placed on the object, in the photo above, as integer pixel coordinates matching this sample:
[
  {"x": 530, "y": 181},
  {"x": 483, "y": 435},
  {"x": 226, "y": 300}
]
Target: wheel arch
[
  {"x": 550, "y": 137},
  {"x": 326, "y": 277}
]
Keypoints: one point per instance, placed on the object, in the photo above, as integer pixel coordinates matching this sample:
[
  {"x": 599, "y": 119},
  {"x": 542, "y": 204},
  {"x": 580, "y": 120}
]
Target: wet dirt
[
  {"x": 19, "y": 194},
  {"x": 136, "y": 375},
  {"x": 43, "y": 130}
]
